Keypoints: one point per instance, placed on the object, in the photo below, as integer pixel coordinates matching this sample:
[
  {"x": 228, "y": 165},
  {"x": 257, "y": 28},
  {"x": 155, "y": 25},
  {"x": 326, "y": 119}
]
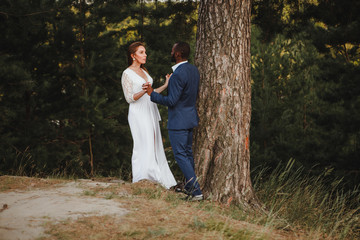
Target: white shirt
[{"x": 177, "y": 65}]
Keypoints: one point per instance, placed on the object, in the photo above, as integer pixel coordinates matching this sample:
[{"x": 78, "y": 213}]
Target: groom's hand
[{"x": 149, "y": 89}]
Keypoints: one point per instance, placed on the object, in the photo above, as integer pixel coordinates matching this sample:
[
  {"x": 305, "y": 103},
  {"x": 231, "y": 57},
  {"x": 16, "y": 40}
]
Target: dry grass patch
[
  {"x": 11, "y": 183},
  {"x": 156, "y": 213},
  {"x": 95, "y": 227}
]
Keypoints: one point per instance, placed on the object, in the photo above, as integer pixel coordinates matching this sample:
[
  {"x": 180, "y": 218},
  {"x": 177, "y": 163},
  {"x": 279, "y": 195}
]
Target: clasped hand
[{"x": 147, "y": 87}]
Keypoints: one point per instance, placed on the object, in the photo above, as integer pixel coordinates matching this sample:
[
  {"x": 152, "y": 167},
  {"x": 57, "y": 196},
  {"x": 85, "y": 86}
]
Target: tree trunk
[{"x": 221, "y": 142}]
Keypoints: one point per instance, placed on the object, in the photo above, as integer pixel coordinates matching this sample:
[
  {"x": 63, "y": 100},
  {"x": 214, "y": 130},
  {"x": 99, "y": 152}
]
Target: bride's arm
[
  {"x": 138, "y": 95},
  {"x": 163, "y": 87},
  {"x": 127, "y": 86}
]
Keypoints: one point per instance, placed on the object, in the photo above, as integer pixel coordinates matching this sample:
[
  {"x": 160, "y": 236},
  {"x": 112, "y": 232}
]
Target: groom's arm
[{"x": 176, "y": 86}]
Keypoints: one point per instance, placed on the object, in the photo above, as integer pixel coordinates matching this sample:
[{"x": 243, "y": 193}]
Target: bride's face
[{"x": 140, "y": 55}]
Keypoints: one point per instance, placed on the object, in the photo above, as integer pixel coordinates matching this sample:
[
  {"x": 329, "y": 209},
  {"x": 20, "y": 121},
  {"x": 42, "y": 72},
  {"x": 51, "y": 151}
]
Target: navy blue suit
[{"x": 182, "y": 118}]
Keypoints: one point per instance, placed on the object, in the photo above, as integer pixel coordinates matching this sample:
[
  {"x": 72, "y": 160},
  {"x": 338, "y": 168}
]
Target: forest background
[{"x": 62, "y": 110}]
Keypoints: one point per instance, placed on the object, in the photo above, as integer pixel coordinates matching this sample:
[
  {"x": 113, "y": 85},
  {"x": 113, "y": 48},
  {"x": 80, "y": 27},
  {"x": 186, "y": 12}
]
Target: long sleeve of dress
[{"x": 127, "y": 86}]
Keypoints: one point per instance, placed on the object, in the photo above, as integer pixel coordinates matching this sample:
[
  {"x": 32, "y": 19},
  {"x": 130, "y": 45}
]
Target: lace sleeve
[{"x": 127, "y": 88}]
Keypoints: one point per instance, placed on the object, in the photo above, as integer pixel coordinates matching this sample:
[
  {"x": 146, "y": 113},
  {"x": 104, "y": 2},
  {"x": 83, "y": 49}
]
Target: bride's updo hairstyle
[{"x": 132, "y": 50}]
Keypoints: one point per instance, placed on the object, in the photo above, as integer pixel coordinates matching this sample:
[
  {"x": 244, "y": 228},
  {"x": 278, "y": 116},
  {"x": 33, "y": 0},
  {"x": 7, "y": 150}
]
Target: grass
[
  {"x": 155, "y": 213},
  {"x": 313, "y": 204},
  {"x": 298, "y": 206},
  {"x": 10, "y": 183},
  {"x": 89, "y": 193}
]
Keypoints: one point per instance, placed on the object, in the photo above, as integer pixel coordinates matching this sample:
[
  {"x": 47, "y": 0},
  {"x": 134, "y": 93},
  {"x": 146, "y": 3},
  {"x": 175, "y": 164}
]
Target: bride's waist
[
  {"x": 141, "y": 102},
  {"x": 143, "y": 105}
]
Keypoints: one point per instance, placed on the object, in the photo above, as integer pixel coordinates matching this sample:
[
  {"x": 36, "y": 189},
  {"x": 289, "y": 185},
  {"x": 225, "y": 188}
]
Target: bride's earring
[{"x": 133, "y": 59}]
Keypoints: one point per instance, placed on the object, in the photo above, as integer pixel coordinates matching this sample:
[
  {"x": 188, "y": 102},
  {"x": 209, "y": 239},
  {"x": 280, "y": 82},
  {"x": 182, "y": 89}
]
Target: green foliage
[
  {"x": 306, "y": 85},
  {"x": 61, "y": 102},
  {"x": 61, "y": 93},
  {"x": 283, "y": 97},
  {"x": 267, "y": 15}
]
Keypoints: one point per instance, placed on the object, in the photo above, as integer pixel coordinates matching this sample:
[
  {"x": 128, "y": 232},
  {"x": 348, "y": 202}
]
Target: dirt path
[
  {"x": 108, "y": 208},
  {"x": 24, "y": 213}
]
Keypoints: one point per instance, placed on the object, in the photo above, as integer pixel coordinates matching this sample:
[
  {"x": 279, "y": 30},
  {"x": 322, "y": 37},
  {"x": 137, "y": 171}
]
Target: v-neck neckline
[{"x": 141, "y": 76}]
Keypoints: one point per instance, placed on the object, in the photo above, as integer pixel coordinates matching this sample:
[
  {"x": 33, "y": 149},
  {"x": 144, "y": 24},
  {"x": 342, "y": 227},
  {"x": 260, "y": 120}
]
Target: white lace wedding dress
[{"x": 148, "y": 156}]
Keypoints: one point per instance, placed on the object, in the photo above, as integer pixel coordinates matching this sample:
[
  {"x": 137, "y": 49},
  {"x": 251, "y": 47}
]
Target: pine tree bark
[{"x": 221, "y": 141}]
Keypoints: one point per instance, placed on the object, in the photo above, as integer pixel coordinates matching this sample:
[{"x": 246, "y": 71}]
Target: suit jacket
[{"x": 181, "y": 99}]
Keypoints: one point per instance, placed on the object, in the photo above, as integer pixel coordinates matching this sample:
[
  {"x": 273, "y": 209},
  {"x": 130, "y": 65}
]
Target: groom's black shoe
[{"x": 180, "y": 188}]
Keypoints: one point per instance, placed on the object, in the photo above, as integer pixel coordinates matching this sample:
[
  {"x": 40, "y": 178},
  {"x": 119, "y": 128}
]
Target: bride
[{"x": 148, "y": 157}]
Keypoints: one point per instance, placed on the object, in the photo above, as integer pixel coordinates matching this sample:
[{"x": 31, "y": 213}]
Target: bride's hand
[{"x": 167, "y": 77}]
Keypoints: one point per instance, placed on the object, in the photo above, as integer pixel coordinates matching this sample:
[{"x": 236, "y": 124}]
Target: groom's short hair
[{"x": 183, "y": 48}]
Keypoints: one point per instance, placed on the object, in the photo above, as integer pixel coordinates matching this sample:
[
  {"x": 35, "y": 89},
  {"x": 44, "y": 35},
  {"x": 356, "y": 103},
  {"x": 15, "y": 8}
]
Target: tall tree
[{"x": 222, "y": 151}]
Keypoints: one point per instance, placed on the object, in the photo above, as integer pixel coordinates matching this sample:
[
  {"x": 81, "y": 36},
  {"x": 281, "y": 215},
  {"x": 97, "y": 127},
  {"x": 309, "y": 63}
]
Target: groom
[{"x": 182, "y": 114}]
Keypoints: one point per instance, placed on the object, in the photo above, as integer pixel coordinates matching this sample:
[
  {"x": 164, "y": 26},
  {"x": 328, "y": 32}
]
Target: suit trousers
[{"x": 181, "y": 143}]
